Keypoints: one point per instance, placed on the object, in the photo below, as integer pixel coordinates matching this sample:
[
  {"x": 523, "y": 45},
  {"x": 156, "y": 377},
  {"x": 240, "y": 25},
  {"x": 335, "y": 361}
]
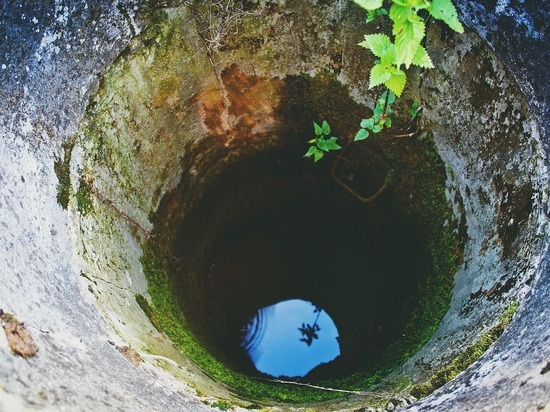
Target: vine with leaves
[{"x": 394, "y": 54}]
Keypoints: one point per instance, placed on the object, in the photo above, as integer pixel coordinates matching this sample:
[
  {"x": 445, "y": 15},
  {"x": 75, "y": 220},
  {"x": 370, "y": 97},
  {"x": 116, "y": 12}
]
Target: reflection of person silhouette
[{"x": 310, "y": 333}]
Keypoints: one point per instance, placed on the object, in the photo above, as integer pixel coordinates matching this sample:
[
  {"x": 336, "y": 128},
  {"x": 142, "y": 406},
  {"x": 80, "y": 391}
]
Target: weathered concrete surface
[
  {"x": 518, "y": 32},
  {"x": 513, "y": 374},
  {"x": 46, "y": 84},
  {"x": 50, "y": 56}
]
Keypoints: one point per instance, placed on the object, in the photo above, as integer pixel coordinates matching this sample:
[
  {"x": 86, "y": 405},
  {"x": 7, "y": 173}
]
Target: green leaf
[
  {"x": 369, "y": 4},
  {"x": 388, "y": 121},
  {"x": 376, "y": 128},
  {"x": 326, "y": 128},
  {"x": 396, "y": 82},
  {"x": 414, "y": 110},
  {"x": 378, "y": 75},
  {"x": 418, "y": 4},
  {"x": 445, "y": 10},
  {"x": 391, "y": 98},
  {"x": 370, "y": 16},
  {"x": 388, "y": 56},
  {"x": 312, "y": 141},
  {"x": 422, "y": 59},
  {"x": 399, "y": 12},
  {"x": 373, "y": 14},
  {"x": 378, "y": 111},
  {"x": 367, "y": 123},
  {"x": 318, "y": 155},
  {"x": 332, "y": 145},
  {"x": 322, "y": 144},
  {"x": 376, "y": 43},
  {"x": 408, "y": 29},
  {"x": 312, "y": 150},
  {"x": 318, "y": 129},
  {"x": 362, "y": 134}
]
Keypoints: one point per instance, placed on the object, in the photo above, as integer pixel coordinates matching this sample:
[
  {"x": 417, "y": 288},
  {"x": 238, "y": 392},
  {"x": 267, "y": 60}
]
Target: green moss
[
  {"x": 468, "y": 357},
  {"x": 222, "y": 404},
  {"x": 435, "y": 225},
  {"x": 63, "y": 173},
  {"x": 83, "y": 195}
]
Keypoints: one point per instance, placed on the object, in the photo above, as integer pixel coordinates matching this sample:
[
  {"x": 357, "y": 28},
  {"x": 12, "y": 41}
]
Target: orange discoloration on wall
[
  {"x": 247, "y": 111},
  {"x": 168, "y": 87}
]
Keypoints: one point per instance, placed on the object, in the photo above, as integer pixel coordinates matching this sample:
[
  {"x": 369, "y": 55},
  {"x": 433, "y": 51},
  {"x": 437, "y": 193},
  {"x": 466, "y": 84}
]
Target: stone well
[{"x": 127, "y": 128}]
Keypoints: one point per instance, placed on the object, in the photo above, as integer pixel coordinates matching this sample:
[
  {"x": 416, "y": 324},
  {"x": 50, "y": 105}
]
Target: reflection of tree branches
[{"x": 309, "y": 332}]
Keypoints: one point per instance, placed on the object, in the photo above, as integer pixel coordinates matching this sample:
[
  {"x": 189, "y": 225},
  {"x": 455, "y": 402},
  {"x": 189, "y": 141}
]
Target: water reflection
[
  {"x": 309, "y": 332},
  {"x": 275, "y": 340}
]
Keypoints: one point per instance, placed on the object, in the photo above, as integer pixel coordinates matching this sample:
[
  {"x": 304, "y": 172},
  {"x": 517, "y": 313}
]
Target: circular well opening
[{"x": 269, "y": 227}]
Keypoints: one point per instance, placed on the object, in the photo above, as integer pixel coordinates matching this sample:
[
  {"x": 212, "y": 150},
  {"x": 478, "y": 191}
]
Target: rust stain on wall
[{"x": 243, "y": 107}]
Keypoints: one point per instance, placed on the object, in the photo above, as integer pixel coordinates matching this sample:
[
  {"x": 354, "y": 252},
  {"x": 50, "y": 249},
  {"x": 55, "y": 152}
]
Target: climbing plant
[
  {"x": 380, "y": 116},
  {"x": 397, "y": 52},
  {"x": 408, "y": 29}
]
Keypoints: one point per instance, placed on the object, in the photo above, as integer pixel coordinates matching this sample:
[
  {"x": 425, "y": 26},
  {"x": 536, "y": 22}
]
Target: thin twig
[
  {"x": 359, "y": 197},
  {"x": 159, "y": 357},
  {"x": 412, "y": 128},
  {"x": 324, "y": 388},
  {"x": 121, "y": 213},
  {"x": 89, "y": 277},
  {"x": 403, "y": 135}
]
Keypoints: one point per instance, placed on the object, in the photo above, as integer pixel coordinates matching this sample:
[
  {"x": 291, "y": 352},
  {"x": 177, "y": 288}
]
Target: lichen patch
[{"x": 130, "y": 353}]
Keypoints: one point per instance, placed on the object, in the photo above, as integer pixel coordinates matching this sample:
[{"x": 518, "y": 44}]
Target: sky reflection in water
[{"x": 291, "y": 338}]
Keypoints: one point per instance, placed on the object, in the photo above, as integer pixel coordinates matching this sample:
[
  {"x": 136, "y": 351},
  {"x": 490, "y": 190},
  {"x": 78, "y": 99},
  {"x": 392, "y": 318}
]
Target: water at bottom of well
[{"x": 291, "y": 338}]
